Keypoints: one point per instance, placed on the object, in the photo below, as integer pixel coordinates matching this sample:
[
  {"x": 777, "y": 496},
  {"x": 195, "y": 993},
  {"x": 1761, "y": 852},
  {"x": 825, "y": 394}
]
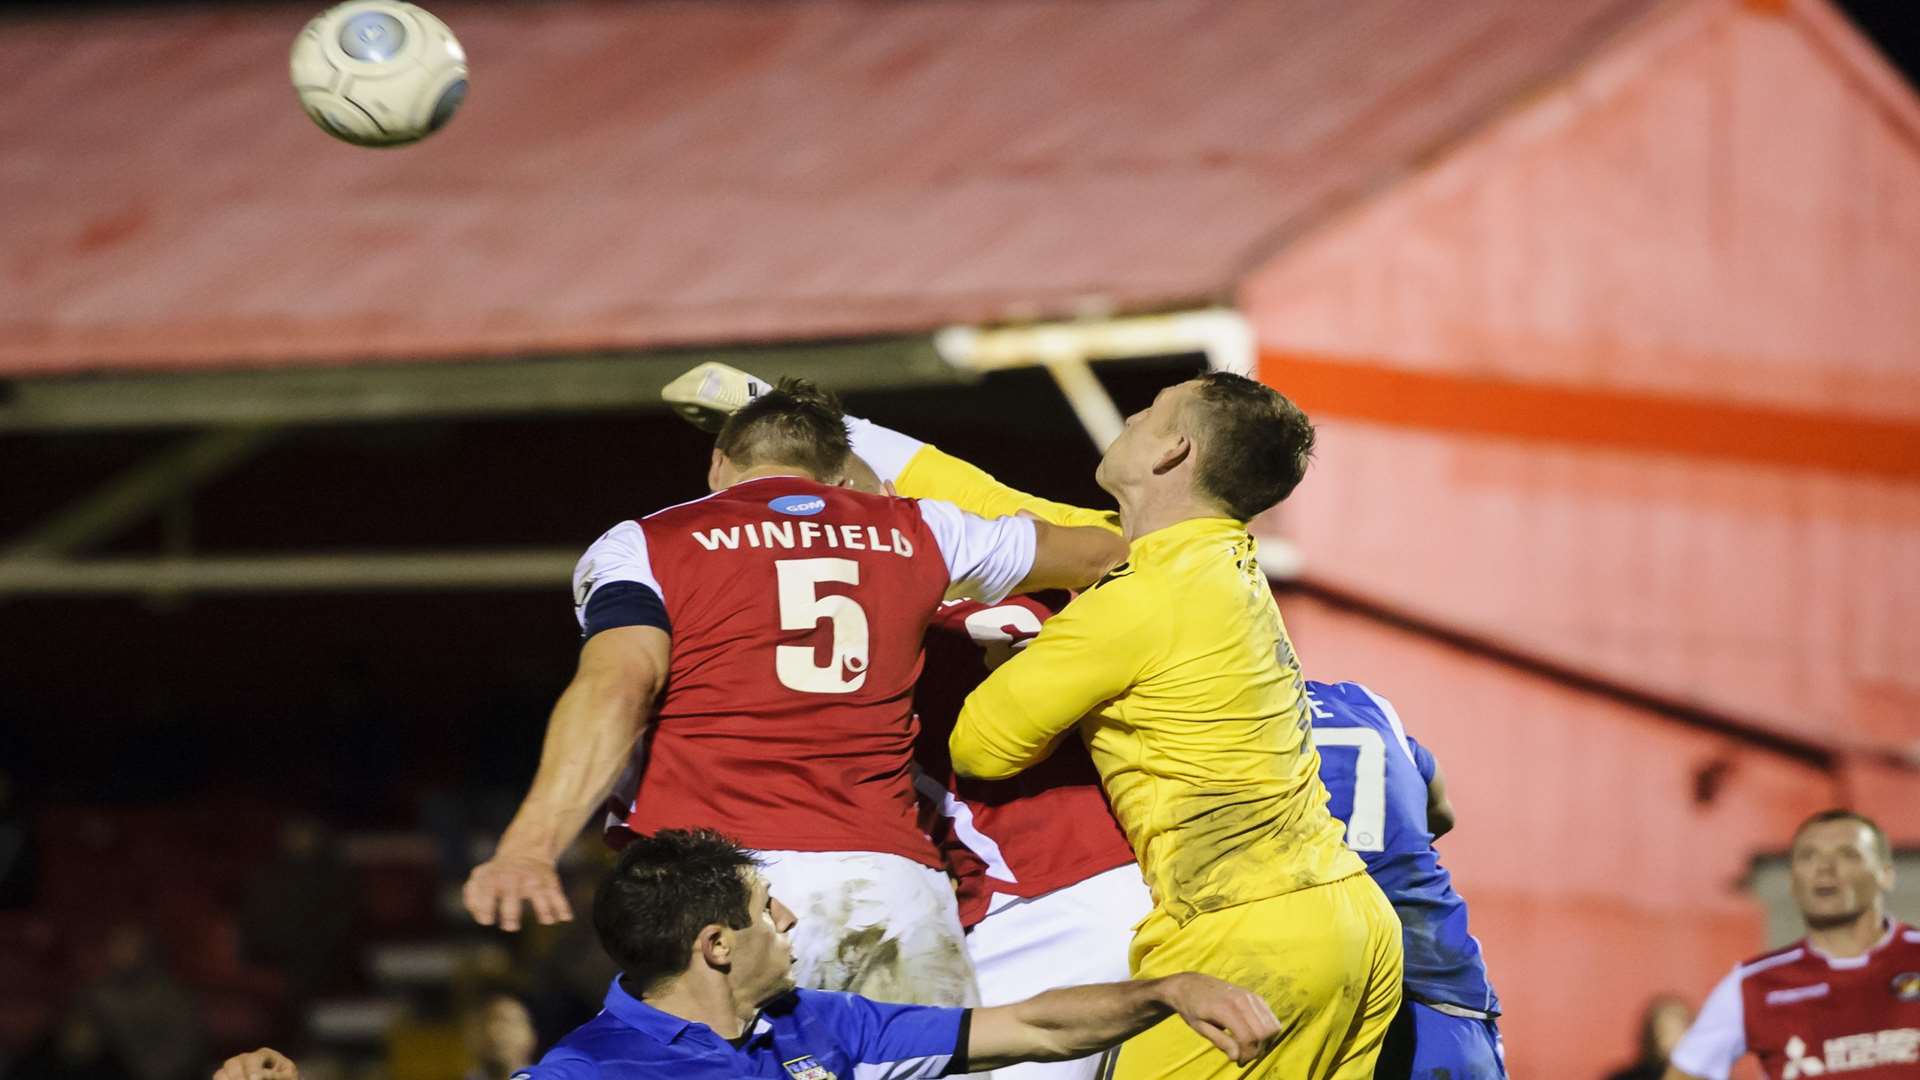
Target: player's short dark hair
[
  {"x": 1879, "y": 835},
  {"x": 795, "y": 423},
  {"x": 1253, "y": 443},
  {"x": 663, "y": 890}
]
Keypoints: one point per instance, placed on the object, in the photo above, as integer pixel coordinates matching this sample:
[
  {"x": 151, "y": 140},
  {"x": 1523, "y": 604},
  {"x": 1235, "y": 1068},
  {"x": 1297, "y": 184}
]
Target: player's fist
[
  {"x": 496, "y": 888},
  {"x": 262, "y": 1064},
  {"x": 1237, "y": 1020}
]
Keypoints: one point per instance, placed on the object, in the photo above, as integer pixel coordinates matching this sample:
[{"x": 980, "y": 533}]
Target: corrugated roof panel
[
  {"x": 631, "y": 175},
  {"x": 1722, "y": 207}
]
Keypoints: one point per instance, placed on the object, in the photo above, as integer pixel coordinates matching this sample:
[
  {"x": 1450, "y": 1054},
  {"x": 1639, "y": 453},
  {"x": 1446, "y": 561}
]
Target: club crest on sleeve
[
  {"x": 798, "y": 505},
  {"x": 1906, "y": 986},
  {"x": 806, "y": 1068}
]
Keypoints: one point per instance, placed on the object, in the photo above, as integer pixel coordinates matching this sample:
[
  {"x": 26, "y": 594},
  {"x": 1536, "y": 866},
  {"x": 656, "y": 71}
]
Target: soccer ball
[{"x": 378, "y": 72}]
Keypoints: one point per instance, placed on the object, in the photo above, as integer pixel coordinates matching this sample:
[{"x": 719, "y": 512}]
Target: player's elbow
[{"x": 971, "y": 759}]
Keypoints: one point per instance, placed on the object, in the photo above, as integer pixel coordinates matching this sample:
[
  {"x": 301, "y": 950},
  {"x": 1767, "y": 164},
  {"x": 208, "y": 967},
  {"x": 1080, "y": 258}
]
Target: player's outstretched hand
[
  {"x": 1238, "y": 1021},
  {"x": 262, "y": 1064},
  {"x": 496, "y": 887}
]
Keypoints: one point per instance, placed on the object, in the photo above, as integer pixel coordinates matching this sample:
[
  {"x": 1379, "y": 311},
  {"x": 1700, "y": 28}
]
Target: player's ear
[
  {"x": 1177, "y": 451},
  {"x": 714, "y": 945},
  {"x": 717, "y": 469}
]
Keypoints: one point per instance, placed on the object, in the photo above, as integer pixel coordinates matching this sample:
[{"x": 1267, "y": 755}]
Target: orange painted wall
[
  {"x": 1593, "y": 877},
  {"x": 1632, "y": 376},
  {"x": 1629, "y": 379}
]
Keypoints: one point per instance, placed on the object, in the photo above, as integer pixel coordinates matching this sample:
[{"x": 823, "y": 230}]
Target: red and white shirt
[
  {"x": 1045, "y": 829},
  {"x": 797, "y": 613},
  {"x": 1804, "y": 1013}
]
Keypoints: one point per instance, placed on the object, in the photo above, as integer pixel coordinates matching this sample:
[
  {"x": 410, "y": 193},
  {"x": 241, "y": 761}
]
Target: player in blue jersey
[{"x": 1388, "y": 790}]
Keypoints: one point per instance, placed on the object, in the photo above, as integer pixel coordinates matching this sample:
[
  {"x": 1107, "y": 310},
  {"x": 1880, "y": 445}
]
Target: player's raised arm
[
  {"x": 1063, "y": 1024},
  {"x": 990, "y": 559},
  {"x": 1089, "y": 653},
  {"x": 706, "y": 394},
  {"x": 921, "y": 470}
]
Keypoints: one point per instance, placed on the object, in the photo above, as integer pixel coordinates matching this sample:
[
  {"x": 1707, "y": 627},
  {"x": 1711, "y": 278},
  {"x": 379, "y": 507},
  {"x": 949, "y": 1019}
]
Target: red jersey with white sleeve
[
  {"x": 796, "y": 612},
  {"x": 1045, "y": 829},
  {"x": 1803, "y": 1013}
]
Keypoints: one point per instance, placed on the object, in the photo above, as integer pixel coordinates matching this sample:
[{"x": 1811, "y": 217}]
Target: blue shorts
[{"x": 1427, "y": 1044}]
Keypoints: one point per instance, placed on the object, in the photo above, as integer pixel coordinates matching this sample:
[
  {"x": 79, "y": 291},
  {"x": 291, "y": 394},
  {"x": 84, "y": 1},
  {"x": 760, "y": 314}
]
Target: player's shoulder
[
  {"x": 1125, "y": 596},
  {"x": 688, "y": 510},
  {"x": 1348, "y": 702},
  {"x": 1901, "y": 948},
  {"x": 1774, "y": 961},
  {"x": 561, "y": 1063}
]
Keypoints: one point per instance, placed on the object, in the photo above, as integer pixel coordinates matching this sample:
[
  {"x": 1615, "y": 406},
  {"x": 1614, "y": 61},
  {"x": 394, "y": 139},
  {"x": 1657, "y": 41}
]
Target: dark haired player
[
  {"x": 1842, "y": 1001},
  {"x": 707, "y": 991},
  {"x": 783, "y": 615}
]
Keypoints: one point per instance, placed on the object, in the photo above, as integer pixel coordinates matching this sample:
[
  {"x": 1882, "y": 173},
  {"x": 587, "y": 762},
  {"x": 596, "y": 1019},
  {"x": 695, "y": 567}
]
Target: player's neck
[
  {"x": 708, "y": 1001},
  {"x": 1151, "y": 509},
  {"x": 1851, "y": 938}
]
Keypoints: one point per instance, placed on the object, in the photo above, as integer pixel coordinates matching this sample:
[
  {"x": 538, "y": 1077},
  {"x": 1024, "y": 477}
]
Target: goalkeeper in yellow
[{"x": 1179, "y": 674}]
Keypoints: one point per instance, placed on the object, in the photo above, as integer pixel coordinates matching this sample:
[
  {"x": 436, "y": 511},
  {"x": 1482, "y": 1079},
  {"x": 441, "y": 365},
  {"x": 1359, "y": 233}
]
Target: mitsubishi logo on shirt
[{"x": 1896, "y": 1046}]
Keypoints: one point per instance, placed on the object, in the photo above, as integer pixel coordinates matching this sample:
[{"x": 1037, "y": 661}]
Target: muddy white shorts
[
  {"x": 1068, "y": 937},
  {"x": 881, "y": 926}
]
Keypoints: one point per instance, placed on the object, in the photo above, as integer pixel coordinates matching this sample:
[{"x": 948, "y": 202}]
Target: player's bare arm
[
  {"x": 590, "y": 737},
  {"x": 1070, "y": 558},
  {"x": 1675, "y": 1074},
  {"x": 1440, "y": 816},
  {"x": 265, "y": 1063},
  {"x": 1072, "y": 1022}
]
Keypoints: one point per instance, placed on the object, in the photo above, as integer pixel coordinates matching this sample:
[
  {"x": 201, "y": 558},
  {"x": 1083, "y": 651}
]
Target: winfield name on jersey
[
  {"x": 798, "y": 535},
  {"x": 1850, "y": 1053}
]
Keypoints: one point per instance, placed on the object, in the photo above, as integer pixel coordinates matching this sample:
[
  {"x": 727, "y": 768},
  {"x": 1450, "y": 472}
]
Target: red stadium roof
[{"x": 630, "y": 176}]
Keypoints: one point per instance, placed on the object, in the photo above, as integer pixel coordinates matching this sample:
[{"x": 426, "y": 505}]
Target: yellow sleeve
[
  {"x": 933, "y": 473},
  {"x": 1090, "y": 653}
]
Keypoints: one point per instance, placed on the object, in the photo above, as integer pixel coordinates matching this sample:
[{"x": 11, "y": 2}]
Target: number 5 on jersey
[{"x": 801, "y": 608}]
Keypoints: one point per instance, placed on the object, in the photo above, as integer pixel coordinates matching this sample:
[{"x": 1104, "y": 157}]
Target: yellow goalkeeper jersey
[{"x": 1179, "y": 673}]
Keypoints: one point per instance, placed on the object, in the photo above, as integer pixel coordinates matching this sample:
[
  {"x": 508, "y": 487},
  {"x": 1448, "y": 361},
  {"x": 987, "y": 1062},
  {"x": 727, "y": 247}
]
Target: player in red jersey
[
  {"x": 783, "y": 615},
  {"x": 1049, "y": 891},
  {"x": 1842, "y": 1001}
]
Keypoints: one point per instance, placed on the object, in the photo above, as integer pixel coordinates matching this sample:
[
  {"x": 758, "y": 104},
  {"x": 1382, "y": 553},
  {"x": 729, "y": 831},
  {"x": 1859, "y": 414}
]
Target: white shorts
[
  {"x": 1068, "y": 937},
  {"x": 881, "y": 926}
]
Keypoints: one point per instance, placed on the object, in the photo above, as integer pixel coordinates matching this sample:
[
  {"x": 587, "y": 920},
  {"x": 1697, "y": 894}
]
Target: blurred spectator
[
  {"x": 299, "y": 911},
  {"x": 147, "y": 1019},
  {"x": 19, "y": 863},
  {"x": 567, "y": 970},
  {"x": 1662, "y": 1023},
  {"x": 76, "y": 1049},
  {"x": 499, "y": 1036}
]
